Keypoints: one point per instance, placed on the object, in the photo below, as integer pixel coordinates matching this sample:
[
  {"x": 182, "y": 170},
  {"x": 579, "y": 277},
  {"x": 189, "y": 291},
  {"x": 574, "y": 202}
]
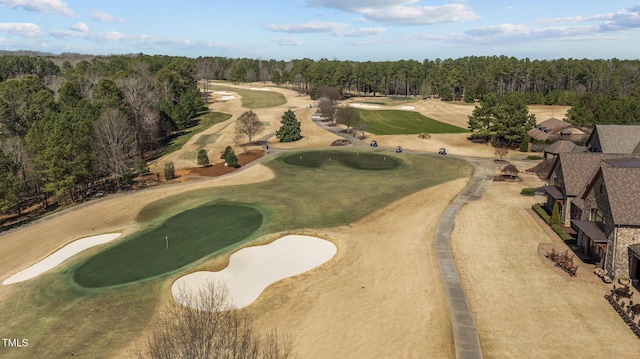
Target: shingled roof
[
  {"x": 616, "y": 138},
  {"x": 578, "y": 168},
  {"x": 563, "y": 146},
  {"x": 548, "y": 129},
  {"x": 620, "y": 178}
]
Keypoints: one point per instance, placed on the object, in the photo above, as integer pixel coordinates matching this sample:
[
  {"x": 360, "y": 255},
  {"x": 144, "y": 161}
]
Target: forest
[{"x": 70, "y": 121}]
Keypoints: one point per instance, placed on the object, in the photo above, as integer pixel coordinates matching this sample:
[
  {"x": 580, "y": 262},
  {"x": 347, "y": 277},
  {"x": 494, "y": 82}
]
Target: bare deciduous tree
[
  {"x": 205, "y": 325},
  {"x": 114, "y": 141},
  {"x": 327, "y": 107},
  {"x": 143, "y": 104},
  {"x": 248, "y": 124},
  {"x": 348, "y": 116},
  {"x": 501, "y": 152}
]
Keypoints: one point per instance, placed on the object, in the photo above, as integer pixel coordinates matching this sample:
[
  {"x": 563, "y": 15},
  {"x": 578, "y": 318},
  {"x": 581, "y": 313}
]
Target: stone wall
[{"x": 621, "y": 238}]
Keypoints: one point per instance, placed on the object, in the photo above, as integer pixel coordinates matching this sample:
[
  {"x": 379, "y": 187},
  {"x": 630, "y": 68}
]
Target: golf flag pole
[{"x": 166, "y": 239}]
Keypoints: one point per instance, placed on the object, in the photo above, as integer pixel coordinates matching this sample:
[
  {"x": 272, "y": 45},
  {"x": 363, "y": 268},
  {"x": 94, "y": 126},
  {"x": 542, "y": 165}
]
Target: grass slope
[
  {"x": 62, "y": 319},
  {"x": 399, "y": 122},
  {"x": 254, "y": 98},
  {"x": 204, "y": 121}
]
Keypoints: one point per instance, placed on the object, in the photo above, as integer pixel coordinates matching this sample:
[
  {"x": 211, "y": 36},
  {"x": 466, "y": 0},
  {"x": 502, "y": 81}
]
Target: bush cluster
[
  {"x": 534, "y": 157},
  {"x": 556, "y": 228},
  {"x": 528, "y": 191},
  {"x": 542, "y": 213}
]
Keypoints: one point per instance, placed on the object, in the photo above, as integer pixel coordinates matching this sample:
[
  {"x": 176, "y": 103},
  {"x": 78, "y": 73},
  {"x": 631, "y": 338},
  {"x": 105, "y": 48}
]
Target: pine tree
[
  {"x": 203, "y": 158},
  {"x": 230, "y": 157},
  {"x": 169, "y": 171},
  {"x": 289, "y": 129},
  {"x": 555, "y": 215}
]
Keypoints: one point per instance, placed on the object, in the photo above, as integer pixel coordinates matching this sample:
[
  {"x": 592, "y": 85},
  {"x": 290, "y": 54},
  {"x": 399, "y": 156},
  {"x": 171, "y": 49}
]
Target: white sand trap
[
  {"x": 407, "y": 107},
  {"x": 60, "y": 256},
  {"x": 363, "y": 105},
  {"x": 227, "y": 98},
  {"x": 253, "y": 269},
  {"x": 223, "y": 93},
  {"x": 259, "y": 89}
]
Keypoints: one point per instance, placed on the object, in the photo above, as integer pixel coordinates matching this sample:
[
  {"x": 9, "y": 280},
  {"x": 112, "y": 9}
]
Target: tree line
[
  {"x": 69, "y": 120},
  {"x": 63, "y": 128}
]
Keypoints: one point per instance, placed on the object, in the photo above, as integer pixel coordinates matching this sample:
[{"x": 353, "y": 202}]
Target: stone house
[
  {"x": 569, "y": 175},
  {"x": 608, "y": 217}
]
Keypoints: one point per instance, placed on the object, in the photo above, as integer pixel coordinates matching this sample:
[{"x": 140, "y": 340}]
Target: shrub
[
  {"x": 524, "y": 144},
  {"x": 542, "y": 213},
  {"x": 169, "y": 171},
  {"x": 556, "y": 228},
  {"x": 534, "y": 157},
  {"x": 528, "y": 191}
]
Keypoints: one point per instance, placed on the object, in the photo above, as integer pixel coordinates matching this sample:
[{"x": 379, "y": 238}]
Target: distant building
[{"x": 553, "y": 129}]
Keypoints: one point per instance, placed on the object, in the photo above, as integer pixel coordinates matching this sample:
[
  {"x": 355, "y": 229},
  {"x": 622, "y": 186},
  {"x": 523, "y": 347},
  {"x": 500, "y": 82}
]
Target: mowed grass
[
  {"x": 389, "y": 101},
  {"x": 204, "y": 121},
  {"x": 63, "y": 319},
  {"x": 178, "y": 241},
  {"x": 399, "y": 122},
  {"x": 253, "y": 98}
]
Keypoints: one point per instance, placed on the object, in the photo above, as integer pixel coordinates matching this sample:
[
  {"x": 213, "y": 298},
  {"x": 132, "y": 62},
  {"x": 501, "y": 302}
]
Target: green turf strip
[
  {"x": 399, "y": 122},
  {"x": 191, "y": 235}
]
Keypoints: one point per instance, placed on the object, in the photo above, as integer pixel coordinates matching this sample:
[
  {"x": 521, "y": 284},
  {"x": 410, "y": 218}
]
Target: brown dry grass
[{"x": 381, "y": 296}]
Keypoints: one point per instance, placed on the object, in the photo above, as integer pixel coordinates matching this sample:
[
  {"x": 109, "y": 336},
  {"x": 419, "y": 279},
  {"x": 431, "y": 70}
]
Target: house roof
[
  {"x": 617, "y": 138},
  {"x": 544, "y": 130},
  {"x": 563, "y": 146},
  {"x": 620, "y": 179},
  {"x": 592, "y": 230},
  {"x": 578, "y": 168}
]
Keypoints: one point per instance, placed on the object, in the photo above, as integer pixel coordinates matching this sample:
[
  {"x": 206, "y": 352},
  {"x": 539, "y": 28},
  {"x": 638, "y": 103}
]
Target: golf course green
[
  {"x": 178, "y": 241},
  {"x": 352, "y": 159}
]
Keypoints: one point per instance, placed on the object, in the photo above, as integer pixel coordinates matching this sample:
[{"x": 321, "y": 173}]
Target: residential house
[
  {"x": 553, "y": 129},
  {"x": 608, "y": 219},
  {"x": 614, "y": 139},
  {"x": 569, "y": 175}
]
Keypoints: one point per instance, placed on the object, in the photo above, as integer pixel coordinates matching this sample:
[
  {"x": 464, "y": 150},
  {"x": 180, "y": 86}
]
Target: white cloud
[
  {"x": 578, "y": 28},
  {"x": 401, "y": 12},
  {"x": 287, "y": 41},
  {"x": 81, "y": 26},
  {"x": 102, "y": 16},
  {"x": 41, "y": 6},
  {"x": 94, "y": 36},
  {"x": 25, "y": 29},
  {"x": 335, "y": 28},
  {"x": 309, "y": 27}
]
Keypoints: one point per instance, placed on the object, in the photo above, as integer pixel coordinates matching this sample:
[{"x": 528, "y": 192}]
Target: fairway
[
  {"x": 178, "y": 241},
  {"x": 350, "y": 159},
  {"x": 398, "y": 122},
  {"x": 253, "y": 98}
]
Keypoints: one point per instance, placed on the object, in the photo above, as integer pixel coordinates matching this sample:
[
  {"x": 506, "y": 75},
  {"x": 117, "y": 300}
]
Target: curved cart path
[{"x": 465, "y": 335}]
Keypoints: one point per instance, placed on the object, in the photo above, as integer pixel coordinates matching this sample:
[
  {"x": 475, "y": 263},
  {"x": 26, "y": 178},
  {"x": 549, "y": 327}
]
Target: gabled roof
[
  {"x": 617, "y": 138},
  {"x": 620, "y": 181},
  {"x": 578, "y": 168}
]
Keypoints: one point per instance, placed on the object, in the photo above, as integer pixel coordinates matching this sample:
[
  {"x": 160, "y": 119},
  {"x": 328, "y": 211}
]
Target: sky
[{"x": 356, "y": 30}]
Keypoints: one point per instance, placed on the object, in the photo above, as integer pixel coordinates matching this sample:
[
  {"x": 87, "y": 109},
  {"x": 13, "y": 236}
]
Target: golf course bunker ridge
[
  {"x": 176, "y": 242},
  {"x": 252, "y": 269},
  {"x": 361, "y": 160}
]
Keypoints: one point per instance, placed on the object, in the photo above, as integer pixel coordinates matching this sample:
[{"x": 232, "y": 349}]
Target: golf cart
[
  {"x": 398, "y": 149},
  {"x": 442, "y": 151},
  {"x": 374, "y": 143}
]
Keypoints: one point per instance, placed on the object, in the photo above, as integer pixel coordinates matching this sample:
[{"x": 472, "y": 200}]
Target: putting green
[
  {"x": 190, "y": 235},
  {"x": 352, "y": 159}
]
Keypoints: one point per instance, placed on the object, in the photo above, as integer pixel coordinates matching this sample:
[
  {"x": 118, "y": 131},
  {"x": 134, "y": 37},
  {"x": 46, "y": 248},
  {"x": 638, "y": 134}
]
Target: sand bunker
[
  {"x": 259, "y": 89},
  {"x": 363, "y": 105},
  {"x": 226, "y": 98},
  {"x": 407, "y": 107},
  {"x": 253, "y": 269},
  {"x": 223, "y": 93},
  {"x": 60, "y": 256}
]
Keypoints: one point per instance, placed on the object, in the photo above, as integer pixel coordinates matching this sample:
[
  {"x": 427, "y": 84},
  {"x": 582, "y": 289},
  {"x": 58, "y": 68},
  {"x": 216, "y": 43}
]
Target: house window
[{"x": 598, "y": 217}]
